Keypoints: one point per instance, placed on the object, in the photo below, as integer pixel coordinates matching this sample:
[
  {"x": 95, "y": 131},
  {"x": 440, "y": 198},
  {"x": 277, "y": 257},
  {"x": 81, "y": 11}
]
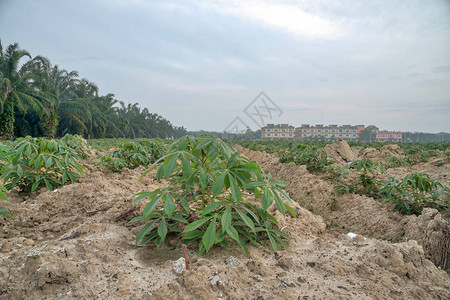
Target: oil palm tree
[{"x": 17, "y": 90}]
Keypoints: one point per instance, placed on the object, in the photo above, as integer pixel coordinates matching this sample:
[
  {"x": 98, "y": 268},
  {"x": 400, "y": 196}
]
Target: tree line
[{"x": 41, "y": 99}]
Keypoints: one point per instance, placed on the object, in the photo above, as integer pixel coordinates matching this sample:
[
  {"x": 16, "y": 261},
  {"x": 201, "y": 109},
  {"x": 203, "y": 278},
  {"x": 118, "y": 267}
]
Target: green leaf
[
  {"x": 146, "y": 229},
  {"x": 179, "y": 218},
  {"x": 290, "y": 210},
  {"x": 19, "y": 171},
  {"x": 193, "y": 235},
  {"x": 34, "y": 186},
  {"x": 266, "y": 199},
  {"x": 159, "y": 172},
  {"x": 232, "y": 232},
  {"x": 48, "y": 162},
  {"x": 285, "y": 195},
  {"x": 211, "y": 207},
  {"x": 203, "y": 179},
  {"x": 209, "y": 238},
  {"x": 187, "y": 169},
  {"x": 135, "y": 219},
  {"x": 47, "y": 184},
  {"x": 235, "y": 190},
  {"x": 169, "y": 205},
  {"x": 226, "y": 219},
  {"x": 253, "y": 184},
  {"x": 246, "y": 220},
  {"x": 3, "y": 196},
  {"x": 273, "y": 242},
  {"x": 279, "y": 183},
  {"x": 213, "y": 151},
  {"x": 218, "y": 184},
  {"x": 196, "y": 224},
  {"x": 184, "y": 204},
  {"x": 150, "y": 206},
  {"x": 143, "y": 195},
  {"x": 279, "y": 203},
  {"x": 162, "y": 230},
  {"x": 170, "y": 167}
]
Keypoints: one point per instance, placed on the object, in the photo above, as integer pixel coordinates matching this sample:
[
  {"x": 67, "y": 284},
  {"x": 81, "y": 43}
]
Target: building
[
  {"x": 278, "y": 132},
  {"x": 328, "y": 133},
  {"x": 331, "y": 132},
  {"x": 389, "y": 136}
]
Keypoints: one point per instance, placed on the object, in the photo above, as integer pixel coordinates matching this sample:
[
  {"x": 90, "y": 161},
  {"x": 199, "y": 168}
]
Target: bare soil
[{"x": 77, "y": 243}]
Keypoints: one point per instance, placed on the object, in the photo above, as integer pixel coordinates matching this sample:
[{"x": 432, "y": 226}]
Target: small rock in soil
[
  {"x": 311, "y": 264},
  {"x": 231, "y": 261},
  {"x": 179, "y": 265},
  {"x": 215, "y": 280},
  {"x": 287, "y": 281}
]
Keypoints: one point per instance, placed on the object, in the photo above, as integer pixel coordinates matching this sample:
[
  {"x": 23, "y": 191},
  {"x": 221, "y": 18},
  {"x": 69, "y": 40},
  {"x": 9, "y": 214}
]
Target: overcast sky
[{"x": 201, "y": 63}]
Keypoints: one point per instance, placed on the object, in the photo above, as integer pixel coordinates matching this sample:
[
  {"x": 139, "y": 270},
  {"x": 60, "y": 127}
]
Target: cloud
[
  {"x": 287, "y": 17},
  {"x": 442, "y": 69}
]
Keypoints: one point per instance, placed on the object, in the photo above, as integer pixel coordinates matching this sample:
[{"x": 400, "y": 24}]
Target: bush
[
  {"x": 37, "y": 162},
  {"x": 211, "y": 198}
]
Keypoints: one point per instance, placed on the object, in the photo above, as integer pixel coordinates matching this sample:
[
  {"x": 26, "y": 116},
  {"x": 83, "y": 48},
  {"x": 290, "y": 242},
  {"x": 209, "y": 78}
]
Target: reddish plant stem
[
  {"x": 186, "y": 257},
  {"x": 131, "y": 209},
  {"x": 99, "y": 210}
]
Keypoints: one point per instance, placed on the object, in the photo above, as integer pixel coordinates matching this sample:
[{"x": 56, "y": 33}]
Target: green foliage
[
  {"x": 415, "y": 192},
  {"x": 132, "y": 154},
  {"x": 394, "y": 162},
  {"x": 210, "y": 199},
  {"x": 77, "y": 143},
  {"x": 4, "y": 212},
  {"x": 417, "y": 155},
  {"x": 366, "y": 184},
  {"x": 409, "y": 196},
  {"x": 36, "y": 162},
  {"x": 314, "y": 157}
]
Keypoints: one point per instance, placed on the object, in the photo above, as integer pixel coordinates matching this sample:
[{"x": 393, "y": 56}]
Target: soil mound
[
  {"x": 341, "y": 152},
  {"x": 433, "y": 232},
  {"x": 381, "y": 154}
]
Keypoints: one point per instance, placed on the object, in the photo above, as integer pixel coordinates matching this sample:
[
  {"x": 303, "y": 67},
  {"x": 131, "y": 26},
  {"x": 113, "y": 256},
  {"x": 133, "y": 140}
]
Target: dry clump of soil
[
  {"x": 343, "y": 153},
  {"x": 361, "y": 214},
  {"x": 76, "y": 243}
]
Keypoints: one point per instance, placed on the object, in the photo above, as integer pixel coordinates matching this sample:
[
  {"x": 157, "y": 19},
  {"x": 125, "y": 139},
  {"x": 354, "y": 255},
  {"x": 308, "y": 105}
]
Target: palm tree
[{"x": 16, "y": 88}]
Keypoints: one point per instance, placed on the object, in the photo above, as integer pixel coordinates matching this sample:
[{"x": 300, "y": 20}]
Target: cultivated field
[{"x": 270, "y": 222}]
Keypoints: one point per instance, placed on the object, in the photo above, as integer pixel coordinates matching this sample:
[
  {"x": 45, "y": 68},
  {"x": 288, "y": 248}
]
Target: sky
[{"x": 204, "y": 64}]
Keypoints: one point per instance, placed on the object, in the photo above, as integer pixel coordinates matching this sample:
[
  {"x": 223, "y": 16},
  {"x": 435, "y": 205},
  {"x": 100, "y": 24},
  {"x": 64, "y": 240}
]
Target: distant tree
[
  {"x": 41, "y": 99},
  {"x": 17, "y": 90},
  {"x": 367, "y": 135}
]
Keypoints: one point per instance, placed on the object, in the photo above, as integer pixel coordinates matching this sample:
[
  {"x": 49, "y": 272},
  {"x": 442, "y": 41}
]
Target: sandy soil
[
  {"x": 75, "y": 243},
  {"x": 361, "y": 214}
]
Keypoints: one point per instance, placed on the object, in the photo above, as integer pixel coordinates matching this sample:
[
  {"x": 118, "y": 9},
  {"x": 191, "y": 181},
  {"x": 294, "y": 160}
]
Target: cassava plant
[
  {"x": 215, "y": 196},
  {"x": 77, "y": 143},
  {"x": 37, "y": 162},
  {"x": 132, "y": 154},
  {"x": 4, "y": 212},
  {"x": 415, "y": 192},
  {"x": 367, "y": 183}
]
